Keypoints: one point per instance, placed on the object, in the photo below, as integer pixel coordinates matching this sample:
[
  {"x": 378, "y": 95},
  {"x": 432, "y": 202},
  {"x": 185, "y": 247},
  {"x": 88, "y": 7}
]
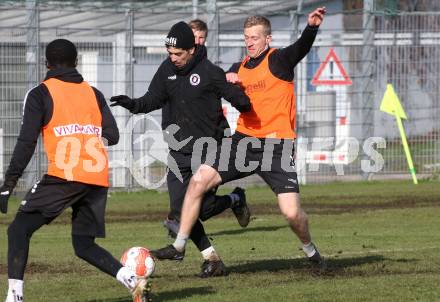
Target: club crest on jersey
[{"x": 194, "y": 79}]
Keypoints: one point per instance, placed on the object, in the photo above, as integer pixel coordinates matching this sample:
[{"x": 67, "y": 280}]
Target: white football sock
[
  {"x": 15, "y": 290},
  {"x": 180, "y": 242},
  {"x": 309, "y": 249},
  {"x": 210, "y": 254}
]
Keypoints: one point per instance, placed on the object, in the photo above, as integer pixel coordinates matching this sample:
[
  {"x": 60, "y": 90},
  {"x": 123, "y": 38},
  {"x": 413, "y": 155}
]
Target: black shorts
[
  {"x": 272, "y": 159},
  {"x": 177, "y": 188},
  {"x": 52, "y": 195}
]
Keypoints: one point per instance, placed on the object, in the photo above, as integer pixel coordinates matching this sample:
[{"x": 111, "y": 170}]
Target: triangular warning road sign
[{"x": 331, "y": 72}]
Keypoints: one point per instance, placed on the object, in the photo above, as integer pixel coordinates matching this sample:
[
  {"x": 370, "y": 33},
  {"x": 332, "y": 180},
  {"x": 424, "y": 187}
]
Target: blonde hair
[
  {"x": 198, "y": 25},
  {"x": 258, "y": 20}
]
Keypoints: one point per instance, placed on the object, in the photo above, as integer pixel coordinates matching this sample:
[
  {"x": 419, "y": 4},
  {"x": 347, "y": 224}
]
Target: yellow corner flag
[{"x": 391, "y": 105}]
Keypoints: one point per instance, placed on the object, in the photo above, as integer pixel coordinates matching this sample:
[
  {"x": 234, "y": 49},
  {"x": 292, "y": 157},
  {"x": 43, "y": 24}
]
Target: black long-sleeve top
[
  {"x": 191, "y": 98},
  {"x": 37, "y": 112},
  {"x": 282, "y": 61}
]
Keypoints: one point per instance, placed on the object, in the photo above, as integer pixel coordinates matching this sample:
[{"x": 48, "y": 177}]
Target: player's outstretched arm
[
  {"x": 290, "y": 56},
  {"x": 153, "y": 99}
]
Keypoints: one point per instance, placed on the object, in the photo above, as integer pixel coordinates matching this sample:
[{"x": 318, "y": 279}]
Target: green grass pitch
[{"x": 381, "y": 239}]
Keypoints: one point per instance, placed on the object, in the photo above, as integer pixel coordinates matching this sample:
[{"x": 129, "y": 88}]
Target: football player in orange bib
[
  {"x": 72, "y": 117},
  {"x": 264, "y": 140}
]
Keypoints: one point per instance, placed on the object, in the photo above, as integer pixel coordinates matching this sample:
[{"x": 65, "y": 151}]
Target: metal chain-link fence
[{"x": 339, "y": 85}]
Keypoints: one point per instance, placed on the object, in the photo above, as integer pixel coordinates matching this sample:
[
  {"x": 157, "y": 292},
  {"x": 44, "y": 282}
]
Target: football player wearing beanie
[
  {"x": 188, "y": 88},
  {"x": 267, "y": 75},
  {"x": 180, "y": 44}
]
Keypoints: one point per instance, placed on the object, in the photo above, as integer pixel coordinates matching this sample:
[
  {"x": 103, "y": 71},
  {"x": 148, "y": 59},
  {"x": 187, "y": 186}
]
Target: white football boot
[
  {"x": 139, "y": 287},
  {"x": 13, "y": 297}
]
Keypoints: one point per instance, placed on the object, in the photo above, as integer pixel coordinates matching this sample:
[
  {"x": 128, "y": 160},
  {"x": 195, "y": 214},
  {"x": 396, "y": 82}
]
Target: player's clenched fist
[
  {"x": 316, "y": 17},
  {"x": 123, "y": 101},
  {"x": 232, "y": 77}
]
